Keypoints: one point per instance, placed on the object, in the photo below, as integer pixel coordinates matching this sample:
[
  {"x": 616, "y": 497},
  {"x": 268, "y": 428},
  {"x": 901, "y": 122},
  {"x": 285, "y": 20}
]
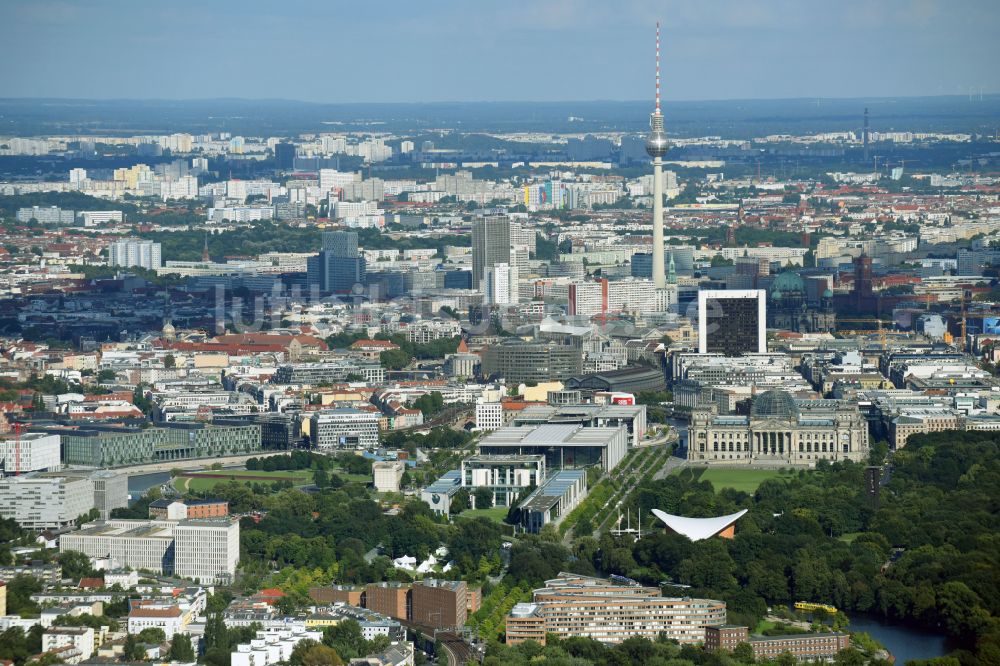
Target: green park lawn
[
  {"x": 745, "y": 480},
  {"x": 496, "y": 513},
  {"x": 200, "y": 483}
]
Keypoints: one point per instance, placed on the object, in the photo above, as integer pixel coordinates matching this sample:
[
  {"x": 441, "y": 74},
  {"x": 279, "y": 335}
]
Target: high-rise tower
[
  {"x": 864, "y": 137},
  {"x": 656, "y": 146}
]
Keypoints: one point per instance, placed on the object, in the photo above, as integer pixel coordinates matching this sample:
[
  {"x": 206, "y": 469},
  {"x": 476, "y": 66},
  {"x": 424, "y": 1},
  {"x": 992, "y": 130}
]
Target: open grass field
[
  {"x": 745, "y": 480},
  {"x": 763, "y": 626},
  {"x": 207, "y": 480},
  {"x": 496, "y": 513}
]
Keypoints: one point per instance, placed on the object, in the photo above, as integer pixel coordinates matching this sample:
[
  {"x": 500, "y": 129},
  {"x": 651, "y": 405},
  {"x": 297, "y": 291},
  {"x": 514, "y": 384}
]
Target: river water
[
  {"x": 902, "y": 641},
  {"x": 140, "y": 483}
]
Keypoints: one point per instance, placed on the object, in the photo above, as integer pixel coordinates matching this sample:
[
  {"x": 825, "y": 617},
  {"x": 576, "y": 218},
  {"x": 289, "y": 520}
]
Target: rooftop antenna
[{"x": 657, "y": 67}]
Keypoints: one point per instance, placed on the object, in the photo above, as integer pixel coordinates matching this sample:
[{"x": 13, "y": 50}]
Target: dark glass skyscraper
[
  {"x": 338, "y": 267},
  {"x": 284, "y": 155},
  {"x": 732, "y": 322}
]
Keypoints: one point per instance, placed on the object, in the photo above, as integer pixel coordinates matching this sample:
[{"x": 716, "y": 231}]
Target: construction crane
[{"x": 871, "y": 320}]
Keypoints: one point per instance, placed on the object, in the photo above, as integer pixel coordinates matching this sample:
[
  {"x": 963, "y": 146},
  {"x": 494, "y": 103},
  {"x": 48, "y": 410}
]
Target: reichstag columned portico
[{"x": 780, "y": 430}]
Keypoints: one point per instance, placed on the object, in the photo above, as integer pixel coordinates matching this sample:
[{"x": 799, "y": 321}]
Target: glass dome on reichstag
[{"x": 774, "y": 405}]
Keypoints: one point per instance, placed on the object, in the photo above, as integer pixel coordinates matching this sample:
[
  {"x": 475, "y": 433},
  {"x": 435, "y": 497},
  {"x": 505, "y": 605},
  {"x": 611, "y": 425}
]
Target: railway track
[{"x": 458, "y": 650}]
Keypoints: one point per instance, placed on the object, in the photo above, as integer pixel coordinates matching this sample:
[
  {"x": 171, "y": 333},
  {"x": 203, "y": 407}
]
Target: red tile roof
[{"x": 173, "y": 611}]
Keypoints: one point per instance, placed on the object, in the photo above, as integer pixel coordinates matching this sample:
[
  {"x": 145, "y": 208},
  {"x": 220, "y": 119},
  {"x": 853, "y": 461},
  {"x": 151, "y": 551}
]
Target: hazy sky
[{"x": 472, "y": 50}]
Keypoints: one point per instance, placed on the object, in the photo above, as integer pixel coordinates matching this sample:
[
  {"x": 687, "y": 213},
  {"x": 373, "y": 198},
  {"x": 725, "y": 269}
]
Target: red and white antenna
[{"x": 657, "y": 67}]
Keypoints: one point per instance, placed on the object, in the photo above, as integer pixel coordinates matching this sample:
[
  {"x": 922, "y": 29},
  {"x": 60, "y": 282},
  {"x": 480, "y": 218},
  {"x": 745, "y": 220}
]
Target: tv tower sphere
[{"x": 656, "y": 142}]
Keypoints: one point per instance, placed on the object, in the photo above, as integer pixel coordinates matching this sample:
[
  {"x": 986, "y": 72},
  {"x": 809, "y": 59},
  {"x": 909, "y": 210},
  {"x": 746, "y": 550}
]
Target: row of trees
[
  {"x": 397, "y": 359},
  {"x": 292, "y": 461}
]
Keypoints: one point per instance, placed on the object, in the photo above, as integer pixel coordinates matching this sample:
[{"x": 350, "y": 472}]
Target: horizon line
[{"x": 974, "y": 98}]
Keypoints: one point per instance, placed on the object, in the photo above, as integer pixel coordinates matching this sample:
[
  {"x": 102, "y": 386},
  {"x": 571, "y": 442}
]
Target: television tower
[{"x": 656, "y": 146}]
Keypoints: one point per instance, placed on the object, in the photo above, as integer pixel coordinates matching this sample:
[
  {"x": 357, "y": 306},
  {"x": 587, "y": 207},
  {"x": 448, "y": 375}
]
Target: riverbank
[{"x": 902, "y": 641}]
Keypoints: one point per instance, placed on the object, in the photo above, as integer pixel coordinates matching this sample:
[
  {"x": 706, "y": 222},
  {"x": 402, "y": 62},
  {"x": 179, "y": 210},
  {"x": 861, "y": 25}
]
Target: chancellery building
[{"x": 780, "y": 430}]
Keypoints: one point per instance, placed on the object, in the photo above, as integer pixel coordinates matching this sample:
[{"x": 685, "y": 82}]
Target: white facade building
[
  {"x": 272, "y": 646},
  {"x": 207, "y": 550},
  {"x": 81, "y": 638},
  {"x": 36, "y": 452},
  {"x": 500, "y": 284},
  {"x": 387, "y": 475},
  {"x": 331, "y": 179},
  {"x": 92, "y": 218},
  {"x": 344, "y": 428},
  {"x": 138, "y": 253},
  {"x": 170, "y": 620},
  {"x": 45, "y": 502},
  {"x": 489, "y": 415}
]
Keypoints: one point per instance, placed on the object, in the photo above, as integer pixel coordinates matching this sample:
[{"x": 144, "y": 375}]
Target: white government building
[{"x": 206, "y": 551}]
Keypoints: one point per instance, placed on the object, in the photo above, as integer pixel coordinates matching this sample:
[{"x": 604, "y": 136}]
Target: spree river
[
  {"x": 140, "y": 483},
  {"x": 902, "y": 641}
]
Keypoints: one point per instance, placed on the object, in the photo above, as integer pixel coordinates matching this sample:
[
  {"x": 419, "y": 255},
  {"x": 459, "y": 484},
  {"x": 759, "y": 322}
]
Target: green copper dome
[{"x": 787, "y": 283}]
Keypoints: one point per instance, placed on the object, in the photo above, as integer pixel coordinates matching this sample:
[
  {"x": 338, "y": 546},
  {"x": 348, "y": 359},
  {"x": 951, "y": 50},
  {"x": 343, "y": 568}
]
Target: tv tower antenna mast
[{"x": 656, "y": 146}]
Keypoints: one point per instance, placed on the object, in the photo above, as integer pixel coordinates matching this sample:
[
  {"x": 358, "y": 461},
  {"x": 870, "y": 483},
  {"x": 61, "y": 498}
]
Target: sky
[{"x": 505, "y": 50}]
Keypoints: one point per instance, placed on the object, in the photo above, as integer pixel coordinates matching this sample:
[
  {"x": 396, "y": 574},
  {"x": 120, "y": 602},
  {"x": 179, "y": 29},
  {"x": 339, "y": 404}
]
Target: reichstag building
[{"x": 779, "y": 431}]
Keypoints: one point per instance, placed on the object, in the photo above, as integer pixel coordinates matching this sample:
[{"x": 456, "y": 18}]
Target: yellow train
[{"x": 809, "y": 606}]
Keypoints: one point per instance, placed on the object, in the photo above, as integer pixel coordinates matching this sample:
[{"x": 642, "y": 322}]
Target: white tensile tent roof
[{"x": 697, "y": 529}]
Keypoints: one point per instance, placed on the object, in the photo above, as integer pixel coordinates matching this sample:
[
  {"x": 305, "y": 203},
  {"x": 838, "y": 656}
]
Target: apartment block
[
  {"x": 440, "y": 603},
  {"x": 573, "y": 605},
  {"x": 390, "y": 599}
]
